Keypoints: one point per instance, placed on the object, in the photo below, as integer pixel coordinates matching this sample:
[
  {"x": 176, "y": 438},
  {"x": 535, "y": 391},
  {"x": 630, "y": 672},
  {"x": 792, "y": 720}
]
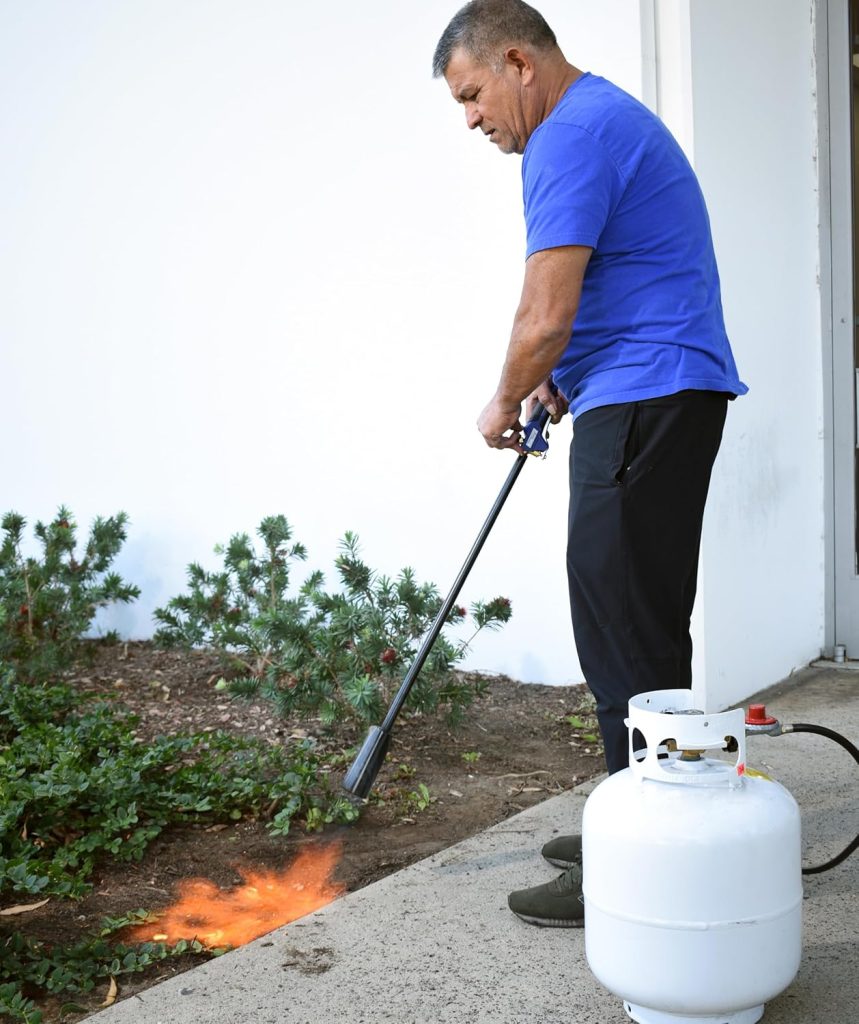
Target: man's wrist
[{"x": 507, "y": 400}]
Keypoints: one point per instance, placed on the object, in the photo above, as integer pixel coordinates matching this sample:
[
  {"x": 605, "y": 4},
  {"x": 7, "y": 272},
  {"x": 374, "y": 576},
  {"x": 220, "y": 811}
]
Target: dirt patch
[{"x": 517, "y": 745}]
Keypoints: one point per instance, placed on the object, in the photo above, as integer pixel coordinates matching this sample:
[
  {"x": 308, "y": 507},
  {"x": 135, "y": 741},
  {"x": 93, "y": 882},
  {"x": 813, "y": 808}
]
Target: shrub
[
  {"x": 47, "y": 604},
  {"x": 314, "y": 652}
]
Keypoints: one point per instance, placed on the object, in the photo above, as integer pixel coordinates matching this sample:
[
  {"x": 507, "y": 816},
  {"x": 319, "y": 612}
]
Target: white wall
[
  {"x": 753, "y": 96},
  {"x": 253, "y": 263}
]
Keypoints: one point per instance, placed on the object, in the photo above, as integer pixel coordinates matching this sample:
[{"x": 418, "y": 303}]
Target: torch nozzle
[{"x": 364, "y": 769}]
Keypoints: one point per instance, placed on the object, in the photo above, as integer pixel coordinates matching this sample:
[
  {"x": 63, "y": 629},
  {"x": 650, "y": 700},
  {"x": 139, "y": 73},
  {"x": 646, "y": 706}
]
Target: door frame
[{"x": 835, "y": 163}]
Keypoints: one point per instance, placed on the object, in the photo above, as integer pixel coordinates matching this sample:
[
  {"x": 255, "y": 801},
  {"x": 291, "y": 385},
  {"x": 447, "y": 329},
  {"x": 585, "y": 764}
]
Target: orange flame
[{"x": 267, "y": 900}]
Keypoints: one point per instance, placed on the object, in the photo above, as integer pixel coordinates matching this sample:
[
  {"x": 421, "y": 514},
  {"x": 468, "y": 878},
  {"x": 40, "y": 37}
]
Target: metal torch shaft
[
  {"x": 449, "y": 601},
  {"x": 362, "y": 773}
]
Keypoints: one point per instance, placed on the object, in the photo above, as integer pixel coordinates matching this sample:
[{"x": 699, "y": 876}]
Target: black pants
[{"x": 639, "y": 474}]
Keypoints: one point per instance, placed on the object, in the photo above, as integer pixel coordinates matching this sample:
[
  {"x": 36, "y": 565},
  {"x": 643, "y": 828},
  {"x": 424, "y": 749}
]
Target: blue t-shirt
[{"x": 605, "y": 172}]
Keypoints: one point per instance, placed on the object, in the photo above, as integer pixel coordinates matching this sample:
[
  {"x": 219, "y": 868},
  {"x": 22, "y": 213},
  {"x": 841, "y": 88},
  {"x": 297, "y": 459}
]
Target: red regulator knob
[{"x": 757, "y": 715}]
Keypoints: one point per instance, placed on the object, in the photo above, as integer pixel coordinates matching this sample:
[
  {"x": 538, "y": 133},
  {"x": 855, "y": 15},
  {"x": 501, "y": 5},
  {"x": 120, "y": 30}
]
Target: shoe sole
[
  {"x": 562, "y": 864},
  {"x": 545, "y": 922}
]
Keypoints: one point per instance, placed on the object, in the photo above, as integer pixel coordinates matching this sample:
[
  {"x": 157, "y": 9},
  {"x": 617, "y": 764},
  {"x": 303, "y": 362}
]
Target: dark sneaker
[
  {"x": 556, "y": 904},
  {"x": 564, "y": 852}
]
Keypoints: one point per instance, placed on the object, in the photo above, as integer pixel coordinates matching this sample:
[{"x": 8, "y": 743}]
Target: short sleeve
[{"x": 570, "y": 187}]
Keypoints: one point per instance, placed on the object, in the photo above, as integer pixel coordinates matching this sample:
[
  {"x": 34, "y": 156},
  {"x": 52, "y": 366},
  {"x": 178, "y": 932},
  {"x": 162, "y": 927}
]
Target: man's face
[{"x": 493, "y": 101}]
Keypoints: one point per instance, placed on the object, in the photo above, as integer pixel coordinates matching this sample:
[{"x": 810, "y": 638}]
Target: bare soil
[{"x": 514, "y": 748}]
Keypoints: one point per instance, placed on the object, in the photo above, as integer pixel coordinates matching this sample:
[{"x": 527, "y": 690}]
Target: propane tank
[{"x": 692, "y": 877}]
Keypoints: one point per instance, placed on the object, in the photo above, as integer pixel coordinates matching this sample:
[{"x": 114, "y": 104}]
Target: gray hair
[{"x": 484, "y": 28}]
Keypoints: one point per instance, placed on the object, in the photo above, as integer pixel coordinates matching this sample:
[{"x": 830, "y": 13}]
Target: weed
[
  {"x": 416, "y": 800},
  {"x": 574, "y": 721},
  {"x": 583, "y": 721}
]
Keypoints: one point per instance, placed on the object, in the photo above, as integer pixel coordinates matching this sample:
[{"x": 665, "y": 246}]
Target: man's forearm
[
  {"x": 541, "y": 331},
  {"x": 532, "y": 354},
  {"x": 544, "y": 320}
]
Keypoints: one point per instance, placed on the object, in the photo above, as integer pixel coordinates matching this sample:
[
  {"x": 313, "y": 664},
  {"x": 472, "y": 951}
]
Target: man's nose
[{"x": 472, "y": 117}]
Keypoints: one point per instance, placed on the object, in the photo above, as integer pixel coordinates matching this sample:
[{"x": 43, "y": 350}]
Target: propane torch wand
[{"x": 364, "y": 769}]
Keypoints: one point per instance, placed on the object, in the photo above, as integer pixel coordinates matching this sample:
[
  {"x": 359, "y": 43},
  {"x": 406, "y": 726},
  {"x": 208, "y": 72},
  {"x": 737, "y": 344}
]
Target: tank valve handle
[{"x": 758, "y": 721}]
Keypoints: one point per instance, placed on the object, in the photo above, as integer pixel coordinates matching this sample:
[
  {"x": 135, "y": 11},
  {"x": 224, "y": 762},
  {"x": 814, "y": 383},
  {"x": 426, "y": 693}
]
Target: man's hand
[
  {"x": 550, "y": 398},
  {"x": 496, "y": 419}
]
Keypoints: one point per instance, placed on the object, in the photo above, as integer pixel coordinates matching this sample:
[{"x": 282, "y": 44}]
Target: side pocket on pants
[{"x": 628, "y": 444}]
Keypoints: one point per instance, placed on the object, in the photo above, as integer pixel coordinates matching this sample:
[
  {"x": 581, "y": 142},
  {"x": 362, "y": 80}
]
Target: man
[{"x": 621, "y": 312}]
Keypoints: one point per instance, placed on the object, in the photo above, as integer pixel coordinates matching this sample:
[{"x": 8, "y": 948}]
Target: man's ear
[{"x": 520, "y": 62}]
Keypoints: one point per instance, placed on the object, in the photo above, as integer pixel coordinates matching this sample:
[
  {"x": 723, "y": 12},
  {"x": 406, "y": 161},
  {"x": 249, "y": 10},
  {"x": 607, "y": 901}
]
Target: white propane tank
[{"x": 692, "y": 877}]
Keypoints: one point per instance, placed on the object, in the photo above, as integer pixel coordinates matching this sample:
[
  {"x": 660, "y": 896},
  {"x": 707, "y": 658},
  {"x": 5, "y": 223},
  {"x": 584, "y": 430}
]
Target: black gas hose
[{"x": 830, "y": 734}]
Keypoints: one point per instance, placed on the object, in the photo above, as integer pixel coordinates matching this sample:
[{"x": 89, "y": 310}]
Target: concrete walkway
[{"x": 436, "y": 942}]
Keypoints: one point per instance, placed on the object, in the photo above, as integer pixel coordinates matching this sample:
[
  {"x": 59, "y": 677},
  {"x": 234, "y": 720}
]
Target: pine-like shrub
[
  {"x": 338, "y": 654},
  {"x": 48, "y": 603}
]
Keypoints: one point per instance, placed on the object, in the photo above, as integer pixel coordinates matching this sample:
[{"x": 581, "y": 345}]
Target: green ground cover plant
[
  {"x": 338, "y": 654},
  {"x": 77, "y": 785},
  {"x": 76, "y": 969}
]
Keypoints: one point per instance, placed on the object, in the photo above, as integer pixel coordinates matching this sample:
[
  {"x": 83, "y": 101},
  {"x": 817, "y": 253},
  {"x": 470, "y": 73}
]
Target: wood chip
[
  {"x": 22, "y": 908},
  {"x": 110, "y": 998},
  {"x": 521, "y": 775}
]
